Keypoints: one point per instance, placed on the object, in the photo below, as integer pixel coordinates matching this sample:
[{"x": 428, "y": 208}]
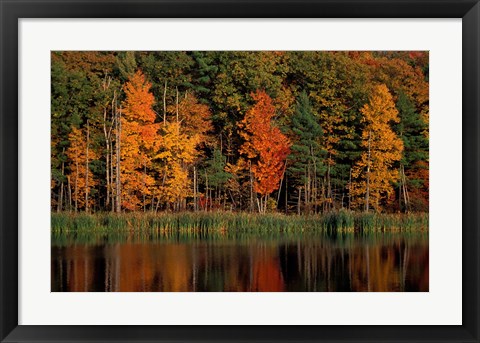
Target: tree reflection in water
[{"x": 303, "y": 262}]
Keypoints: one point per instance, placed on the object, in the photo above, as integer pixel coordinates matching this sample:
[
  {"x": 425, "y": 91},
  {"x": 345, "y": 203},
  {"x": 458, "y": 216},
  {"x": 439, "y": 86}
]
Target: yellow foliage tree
[
  {"x": 195, "y": 117},
  {"x": 139, "y": 141},
  {"x": 80, "y": 177},
  {"x": 374, "y": 173},
  {"x": 176, "y": 150}
]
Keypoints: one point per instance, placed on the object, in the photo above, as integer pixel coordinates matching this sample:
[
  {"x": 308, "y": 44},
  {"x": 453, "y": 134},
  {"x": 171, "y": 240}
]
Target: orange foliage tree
[
  {"x": 374, "y": 173},
  {"x": 265, "y": 145},
  {"x": 139, "y": 140}
]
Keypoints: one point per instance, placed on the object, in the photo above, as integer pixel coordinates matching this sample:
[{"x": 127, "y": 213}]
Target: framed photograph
[{"x": 235, "y": 170}]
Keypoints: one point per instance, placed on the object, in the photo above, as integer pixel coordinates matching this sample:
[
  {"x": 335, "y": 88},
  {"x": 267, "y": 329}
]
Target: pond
[{"x": 224, "y": 262}]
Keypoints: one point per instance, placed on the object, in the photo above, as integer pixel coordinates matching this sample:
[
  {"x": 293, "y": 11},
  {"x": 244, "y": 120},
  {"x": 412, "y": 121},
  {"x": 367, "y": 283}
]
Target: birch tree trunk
[
  {"x": 367, "y": 191},
  {"x": 69, "y": 194},
  {"x": 195, "y": 189},
  {"x": 118, "y": 145},
  {"x": 251, "y": 187},
  {"x": 86, "y": 168},
  {"x": 165, "y": 103},
  {"x": 76, "y": 181},
  {"x": 60, "y": 195},
  {"x": 112, "y": 179},
  {"x": 281, "y": 183}
]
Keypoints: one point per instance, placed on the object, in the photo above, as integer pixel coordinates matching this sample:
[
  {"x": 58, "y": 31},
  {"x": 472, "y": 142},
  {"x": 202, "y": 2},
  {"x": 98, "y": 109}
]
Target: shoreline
[{"x": 342, "y": 221}]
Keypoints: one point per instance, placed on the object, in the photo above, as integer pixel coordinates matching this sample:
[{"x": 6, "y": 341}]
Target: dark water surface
[{"x": 133, "y": 262}]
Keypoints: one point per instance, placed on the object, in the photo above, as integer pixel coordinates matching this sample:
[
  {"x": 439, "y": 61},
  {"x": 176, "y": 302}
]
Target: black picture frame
[{"x": 11, "y": 11}]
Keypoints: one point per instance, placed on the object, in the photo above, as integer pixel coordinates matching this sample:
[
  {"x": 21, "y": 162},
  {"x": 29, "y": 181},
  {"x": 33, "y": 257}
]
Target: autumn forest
[
  {"x": 239, "y": 171},
  {"x": 299, "y": 133}
]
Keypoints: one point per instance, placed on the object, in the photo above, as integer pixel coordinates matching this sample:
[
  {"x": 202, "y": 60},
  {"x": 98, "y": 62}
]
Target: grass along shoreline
[{"x": 338, "y": 221}]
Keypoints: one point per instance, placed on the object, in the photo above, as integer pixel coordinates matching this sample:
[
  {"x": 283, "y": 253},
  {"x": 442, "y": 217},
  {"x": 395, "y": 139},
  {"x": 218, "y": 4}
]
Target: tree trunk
[
  {"x": 405, "y": 191},
  {"x": 60, "y": 199},
  {"x": 323, "y": 193},
  {"x": 299, "y": 199},
  {"x": 206, "y": 191},
  {"x": 305, "y": 208},
  {"x": 286, "y": 193},
  {"x": 195, "y": 189},
  {"x": 108, "y": 134},
  {"x": 210, "y": 197},
  {"x": 314, "y": 192},
  {"x": 367, "y": 193},
  {"x": 350, "y": 189},
  {"x": 112, "y": 178},
  {"x": 177, "y": 104},
  {"x": 69, "y": 194},
  {"x": 144, "y": 186},
  {"x": 308, "y": 193},
  {"x": 251, "y": 187},
  {"x": 329, "y": 187},
  {"x": 60, "y": 195},
  {"x": 118, "y": 143},
  {"x": 281, "y": 183},
  {"x": 225, "y": 199},
  {"x": 158, "y": 204},
  {"x": 76, "y": 181},
  {"x": 86, "y": 169},
  {"x": 165, "y": 103},
  {"x": 107, "y": 172}
]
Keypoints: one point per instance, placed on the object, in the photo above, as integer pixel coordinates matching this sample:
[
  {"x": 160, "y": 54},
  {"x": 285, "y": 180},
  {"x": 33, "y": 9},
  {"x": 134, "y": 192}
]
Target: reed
[{"x": 208, "y": 222}]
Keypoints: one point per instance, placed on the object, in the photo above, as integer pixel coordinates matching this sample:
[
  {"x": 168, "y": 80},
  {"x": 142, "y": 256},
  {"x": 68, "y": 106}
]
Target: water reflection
[{"x": 247, "y": 263}]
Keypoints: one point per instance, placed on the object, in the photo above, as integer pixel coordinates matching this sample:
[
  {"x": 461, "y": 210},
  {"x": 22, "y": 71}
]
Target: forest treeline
[{"x": 293, "y": 132}]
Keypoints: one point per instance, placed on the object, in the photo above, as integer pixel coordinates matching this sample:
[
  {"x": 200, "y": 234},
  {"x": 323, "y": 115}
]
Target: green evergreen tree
[
  {"x": 413, "y": 184},
  {"x": 306, "y": 161},
  {"x": 412, "y": 130},
  {"x": 127, "y": 64},
  {"x": 204, "y": 69},
  {"x": 216, "y": 176}
]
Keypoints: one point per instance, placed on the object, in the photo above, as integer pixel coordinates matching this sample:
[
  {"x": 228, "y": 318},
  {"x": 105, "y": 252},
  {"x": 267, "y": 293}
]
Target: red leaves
[{"x": 265, "y": 143}]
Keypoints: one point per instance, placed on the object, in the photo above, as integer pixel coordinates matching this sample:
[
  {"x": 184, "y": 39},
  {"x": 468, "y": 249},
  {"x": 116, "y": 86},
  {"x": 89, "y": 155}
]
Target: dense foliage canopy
[{"x": 294, "y": 132}]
